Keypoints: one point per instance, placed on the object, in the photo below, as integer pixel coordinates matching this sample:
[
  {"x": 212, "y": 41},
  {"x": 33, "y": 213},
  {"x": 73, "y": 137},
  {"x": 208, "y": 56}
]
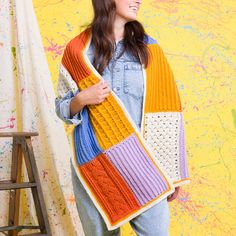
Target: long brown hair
[{"x": 103, "y": 38}]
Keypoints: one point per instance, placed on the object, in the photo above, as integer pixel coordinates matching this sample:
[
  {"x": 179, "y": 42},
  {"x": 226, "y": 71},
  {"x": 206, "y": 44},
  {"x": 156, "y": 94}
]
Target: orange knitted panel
[
  {"x": 162, "y": 93},
  {"x": 110, "y": 189},
  {"x": 73, "y": 58},
  {"x": 108, "y": 119}
]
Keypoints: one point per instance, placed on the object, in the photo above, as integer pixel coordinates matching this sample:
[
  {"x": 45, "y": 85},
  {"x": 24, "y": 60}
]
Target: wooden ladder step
[
  {"x": 4, "y": 185},
  {"x": 18, "y": 227}
]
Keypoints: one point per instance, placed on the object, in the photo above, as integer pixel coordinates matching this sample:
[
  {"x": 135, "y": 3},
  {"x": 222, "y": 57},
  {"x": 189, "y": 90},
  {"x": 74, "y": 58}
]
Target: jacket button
[
  {"x": 116, "y": 89},
  {"x": 126, "y": 90}
]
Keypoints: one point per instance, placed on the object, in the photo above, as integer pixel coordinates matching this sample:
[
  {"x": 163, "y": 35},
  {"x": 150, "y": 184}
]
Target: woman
[{"x": 117, "y": 51}]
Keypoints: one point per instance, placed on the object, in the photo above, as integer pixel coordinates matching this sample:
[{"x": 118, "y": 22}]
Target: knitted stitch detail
[
  {"x": 163, "y": 93},
  {"x": 183, "y": 157},
  {"x": 110, "y": 189},
  {"x": 137, "y": 169},
  {"x": 85, "y": 142},
  {"x": 108, "y": 119},
  {"x": 162, "y": 132},
  {"x": 65, "y": 82},
  {"x": 73, "y": 58}
]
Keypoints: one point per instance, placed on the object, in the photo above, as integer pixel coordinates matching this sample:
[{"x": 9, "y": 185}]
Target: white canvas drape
[{"x": 27, "y": 104}]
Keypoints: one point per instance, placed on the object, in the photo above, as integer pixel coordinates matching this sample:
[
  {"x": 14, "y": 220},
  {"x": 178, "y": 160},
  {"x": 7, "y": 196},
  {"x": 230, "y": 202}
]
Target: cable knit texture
[
  {"x": 109, "y": 121},
  {"x": 124, "y": 171},
  {"x": 110, "y": 189}
]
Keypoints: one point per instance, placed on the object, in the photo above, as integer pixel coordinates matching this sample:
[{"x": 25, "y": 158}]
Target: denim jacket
[{"x": 125, "y": 78}]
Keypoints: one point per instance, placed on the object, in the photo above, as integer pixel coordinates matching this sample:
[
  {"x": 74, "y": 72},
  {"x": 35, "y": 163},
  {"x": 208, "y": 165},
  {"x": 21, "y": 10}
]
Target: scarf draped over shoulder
[{"x": 124, "y": 171}]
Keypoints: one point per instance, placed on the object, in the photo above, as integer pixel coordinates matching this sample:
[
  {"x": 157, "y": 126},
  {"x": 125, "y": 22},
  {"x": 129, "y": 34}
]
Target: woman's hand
[
  {"x": 95, "y": 94},
  {"x": 173, "y": 195}
]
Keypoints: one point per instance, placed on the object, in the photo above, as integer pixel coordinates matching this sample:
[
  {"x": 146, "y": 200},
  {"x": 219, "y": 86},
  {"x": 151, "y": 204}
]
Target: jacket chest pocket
[{"x": 133, "y": 80}]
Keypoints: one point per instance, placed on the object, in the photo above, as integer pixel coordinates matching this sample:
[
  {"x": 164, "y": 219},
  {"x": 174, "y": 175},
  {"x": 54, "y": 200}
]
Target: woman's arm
[
  {"x": 76, "y": 104},
  {"x": 63, "y": 109},
  {"x": 67, "y": 91},
  {"x": 70, "y": 101}
]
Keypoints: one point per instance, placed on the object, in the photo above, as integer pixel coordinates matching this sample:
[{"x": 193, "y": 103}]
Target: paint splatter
[
  {"x": 13, "y": 50},
  {"x": 11, "y": 124},
  {"x": 53, "y": 48}
]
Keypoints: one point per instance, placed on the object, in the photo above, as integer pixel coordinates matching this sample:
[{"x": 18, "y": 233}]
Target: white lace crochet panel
[
  {"x": 65, "y": 82},
  {"x": 162, "y": 133}
]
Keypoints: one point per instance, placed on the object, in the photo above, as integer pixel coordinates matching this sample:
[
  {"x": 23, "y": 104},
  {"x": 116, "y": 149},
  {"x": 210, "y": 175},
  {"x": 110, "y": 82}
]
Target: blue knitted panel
[
  {"x": 149, "y": 40},
  {"x": 85, "y": 139}
]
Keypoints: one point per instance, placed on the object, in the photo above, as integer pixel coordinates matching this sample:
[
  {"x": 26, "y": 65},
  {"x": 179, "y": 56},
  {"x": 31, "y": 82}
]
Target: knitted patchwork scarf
[{"x": 125, "y": 171}]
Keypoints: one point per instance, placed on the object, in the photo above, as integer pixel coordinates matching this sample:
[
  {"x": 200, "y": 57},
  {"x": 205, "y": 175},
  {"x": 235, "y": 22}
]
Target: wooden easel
[{"x": 22, "y": 145}]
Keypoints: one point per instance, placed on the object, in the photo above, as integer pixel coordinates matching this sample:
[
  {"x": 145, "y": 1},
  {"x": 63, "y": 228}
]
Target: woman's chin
[{"x": 131, "y": 18}]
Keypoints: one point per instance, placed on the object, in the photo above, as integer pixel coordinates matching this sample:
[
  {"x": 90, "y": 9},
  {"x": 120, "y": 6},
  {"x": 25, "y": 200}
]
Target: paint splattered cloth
[{"x": 124, "y": 171}]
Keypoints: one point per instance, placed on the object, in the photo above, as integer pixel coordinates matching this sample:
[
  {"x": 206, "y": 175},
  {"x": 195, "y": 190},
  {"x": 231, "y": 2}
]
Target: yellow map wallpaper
[{"x": 199, "y": 40}]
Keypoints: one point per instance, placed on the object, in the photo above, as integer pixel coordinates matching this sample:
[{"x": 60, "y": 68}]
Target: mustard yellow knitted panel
[
  {"x": 109, "y": 122},
  {"x": 162, "y": 90}
]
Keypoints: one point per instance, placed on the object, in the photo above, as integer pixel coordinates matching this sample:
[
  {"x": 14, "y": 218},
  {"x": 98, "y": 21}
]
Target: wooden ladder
[{"x": 22, "y": 145}]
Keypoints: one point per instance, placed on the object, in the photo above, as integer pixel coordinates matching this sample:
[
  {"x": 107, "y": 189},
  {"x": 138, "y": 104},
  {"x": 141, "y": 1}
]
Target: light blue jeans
[{"x": 153, "y": 222}]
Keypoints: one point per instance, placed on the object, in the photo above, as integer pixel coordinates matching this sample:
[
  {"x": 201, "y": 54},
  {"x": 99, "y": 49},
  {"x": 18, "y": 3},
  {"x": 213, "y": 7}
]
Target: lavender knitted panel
[
  {"x": 137, "y": 169},
  {"x": 183, "y": 160}
]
